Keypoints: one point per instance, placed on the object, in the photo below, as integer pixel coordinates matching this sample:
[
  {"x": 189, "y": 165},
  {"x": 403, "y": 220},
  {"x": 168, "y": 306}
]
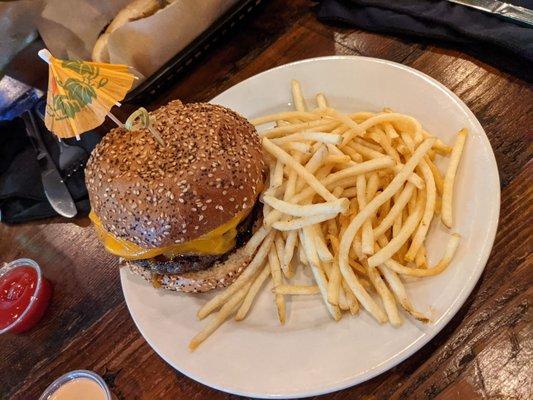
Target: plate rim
[{"x": 453, "y": 308}]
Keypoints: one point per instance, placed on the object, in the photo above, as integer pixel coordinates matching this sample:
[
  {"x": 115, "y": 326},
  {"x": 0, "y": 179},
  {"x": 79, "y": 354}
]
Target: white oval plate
[{"x": 312, "y": 354}]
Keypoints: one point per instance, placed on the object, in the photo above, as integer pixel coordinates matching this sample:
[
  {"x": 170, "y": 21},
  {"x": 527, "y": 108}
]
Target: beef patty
[{"x": 192, "y": 262}]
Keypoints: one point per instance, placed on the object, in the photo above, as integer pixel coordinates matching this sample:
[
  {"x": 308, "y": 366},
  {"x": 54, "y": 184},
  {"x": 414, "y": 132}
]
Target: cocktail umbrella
[{"x": 81, "y": 94}]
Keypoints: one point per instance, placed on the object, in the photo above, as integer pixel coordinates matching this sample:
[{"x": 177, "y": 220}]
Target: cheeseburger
[{"x": 179, "y": 213}]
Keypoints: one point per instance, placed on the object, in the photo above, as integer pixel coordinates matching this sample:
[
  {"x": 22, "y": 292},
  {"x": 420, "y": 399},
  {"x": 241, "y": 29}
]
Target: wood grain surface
[{"x": 485, "y": 352}]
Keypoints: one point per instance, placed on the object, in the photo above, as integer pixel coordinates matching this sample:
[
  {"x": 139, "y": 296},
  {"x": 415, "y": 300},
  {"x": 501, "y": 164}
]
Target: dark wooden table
[{"x": 486, "y": 351}]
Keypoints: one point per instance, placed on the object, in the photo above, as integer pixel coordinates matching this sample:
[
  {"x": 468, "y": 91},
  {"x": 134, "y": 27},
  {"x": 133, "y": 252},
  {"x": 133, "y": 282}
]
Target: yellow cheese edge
[{"x": 218, "y": 241}]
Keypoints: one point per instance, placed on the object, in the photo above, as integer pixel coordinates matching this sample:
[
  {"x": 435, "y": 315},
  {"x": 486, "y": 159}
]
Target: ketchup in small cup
[{"x": 24, "y": 295}]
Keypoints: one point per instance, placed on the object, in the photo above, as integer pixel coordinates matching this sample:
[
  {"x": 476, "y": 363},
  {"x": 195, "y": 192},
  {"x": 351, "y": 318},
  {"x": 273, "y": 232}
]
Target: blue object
[{"x": 16, "y": 98}]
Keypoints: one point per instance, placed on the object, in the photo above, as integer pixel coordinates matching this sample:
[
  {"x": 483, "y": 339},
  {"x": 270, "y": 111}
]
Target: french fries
[
  {"x": 300, "y": 170},
  {"x": 220, "y": 316},
  {"x": 296, "y": 289},
  {"x": 429, "y": 211},
  {"x": 321, "y": 100},
  {"x": 350, "y": 197},
  {"x": 242, "y": 280},
  {"x": 321, "y": 137},
  {"x": 252, "y": 293},
  {"x": 309, "y": 210},
  {"x": 318, "y": 273},
  {"x": 299, "y": 223},
  {"x": 449, "y": 179},
  {"x": 275, "y": 271},
  {"x": 297, "y": 97}
]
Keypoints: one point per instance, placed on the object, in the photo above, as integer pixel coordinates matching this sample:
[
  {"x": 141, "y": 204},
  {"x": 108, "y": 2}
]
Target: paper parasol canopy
[{"x": 80, "y": 93}]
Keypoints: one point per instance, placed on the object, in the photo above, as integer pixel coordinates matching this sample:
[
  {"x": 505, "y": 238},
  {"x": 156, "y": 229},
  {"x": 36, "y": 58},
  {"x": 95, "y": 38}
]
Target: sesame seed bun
[{"x": 209, "y": 170}]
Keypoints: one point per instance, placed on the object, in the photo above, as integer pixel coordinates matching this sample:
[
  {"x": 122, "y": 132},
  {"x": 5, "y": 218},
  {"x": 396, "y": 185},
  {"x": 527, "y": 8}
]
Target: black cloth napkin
[
  {"x": 496, "y": 40},
  {"x": 22, "y": 196}
]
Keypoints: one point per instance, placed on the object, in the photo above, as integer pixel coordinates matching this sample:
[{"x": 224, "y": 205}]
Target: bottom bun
[{"x": 221, "y": 274}]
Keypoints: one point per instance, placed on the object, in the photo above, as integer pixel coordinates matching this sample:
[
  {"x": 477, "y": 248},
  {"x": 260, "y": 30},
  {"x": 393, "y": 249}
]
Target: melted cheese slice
[{"x": 218, "y": 241}]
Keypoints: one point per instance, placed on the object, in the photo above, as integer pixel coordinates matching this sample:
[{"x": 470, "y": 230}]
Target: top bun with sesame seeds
[
  {"x": 209, "y": 170},
  {"x": 207, "y": 175}
]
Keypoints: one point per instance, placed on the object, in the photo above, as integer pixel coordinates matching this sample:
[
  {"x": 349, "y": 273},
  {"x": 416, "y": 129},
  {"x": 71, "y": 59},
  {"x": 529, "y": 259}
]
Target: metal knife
[
  {"x": 55, "y": 189},
  {"x": 507, "y": 10}
]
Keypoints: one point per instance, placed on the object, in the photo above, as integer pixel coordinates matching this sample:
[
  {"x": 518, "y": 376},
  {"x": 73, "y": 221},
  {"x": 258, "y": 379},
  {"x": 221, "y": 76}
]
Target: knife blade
[
  {"x": 506, "y": 10},
  {"x": 55, "y": 189}
]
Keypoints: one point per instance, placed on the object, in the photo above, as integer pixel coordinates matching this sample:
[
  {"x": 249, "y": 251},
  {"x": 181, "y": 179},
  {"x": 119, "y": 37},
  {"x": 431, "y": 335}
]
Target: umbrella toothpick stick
[
  {"x": 115, "y": 119},
  {"x": 141, "y": 119},
  {"x": 156, "y": 134}
]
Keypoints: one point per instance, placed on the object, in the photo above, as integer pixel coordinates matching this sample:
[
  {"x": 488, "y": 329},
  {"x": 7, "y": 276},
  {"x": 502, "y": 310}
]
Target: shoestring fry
[{"x": 350, "y": 196}]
